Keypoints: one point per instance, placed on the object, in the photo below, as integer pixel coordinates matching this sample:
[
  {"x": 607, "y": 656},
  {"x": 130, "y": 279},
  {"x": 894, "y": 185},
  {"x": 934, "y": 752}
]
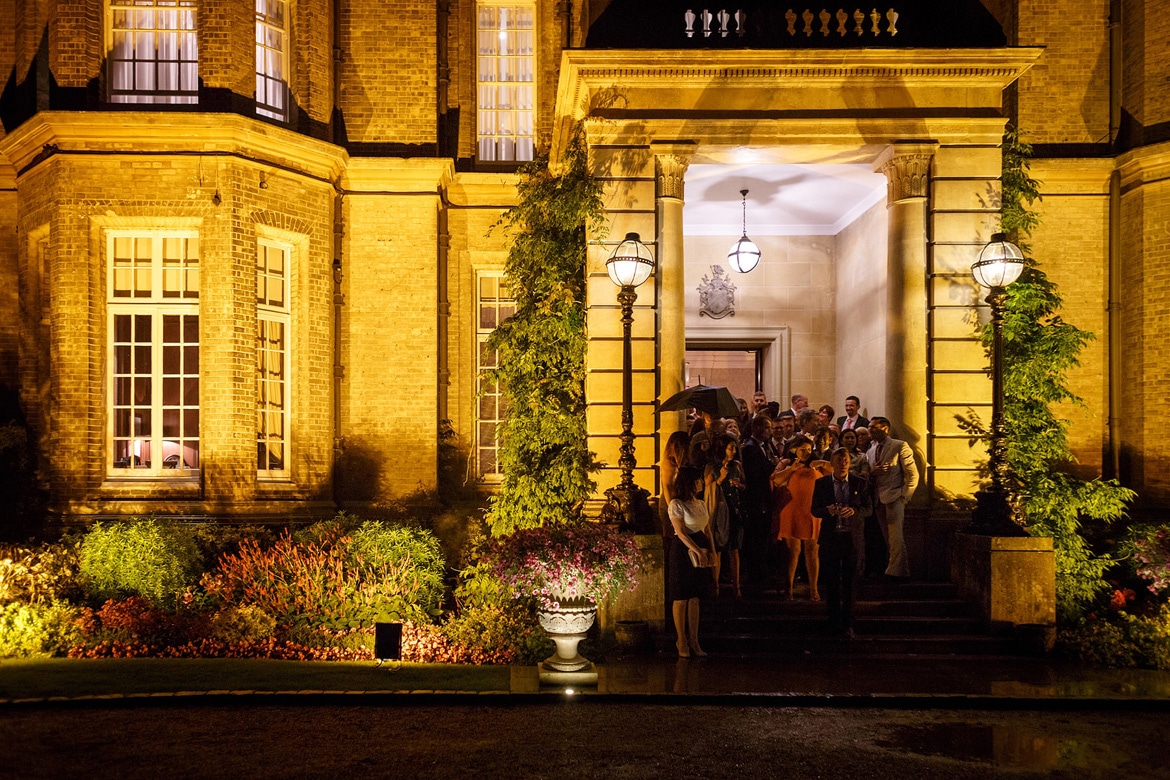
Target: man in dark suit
[
  {"x": 759, "y": 459},
  {"x": 836, "y": 499},
  {"x": 852, "y": 418}
]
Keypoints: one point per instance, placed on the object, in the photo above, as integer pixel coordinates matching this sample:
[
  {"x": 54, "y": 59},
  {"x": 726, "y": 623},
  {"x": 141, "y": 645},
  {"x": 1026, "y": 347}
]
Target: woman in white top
[{"x": 689, "y": 583}]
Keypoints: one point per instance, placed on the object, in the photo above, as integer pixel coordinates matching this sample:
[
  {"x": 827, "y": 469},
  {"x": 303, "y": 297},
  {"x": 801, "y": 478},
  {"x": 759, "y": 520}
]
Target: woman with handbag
[{"x": 692, "y": 557}]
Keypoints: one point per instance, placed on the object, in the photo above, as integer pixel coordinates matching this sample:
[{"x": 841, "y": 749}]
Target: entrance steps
[{"x": 892, "y": 620}]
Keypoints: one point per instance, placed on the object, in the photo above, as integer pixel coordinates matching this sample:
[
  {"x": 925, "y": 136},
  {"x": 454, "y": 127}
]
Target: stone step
[
  {"x": 812, "y": 624},
  {"x": 861, "y": 645},
  {"x": 727, "y": 607}
]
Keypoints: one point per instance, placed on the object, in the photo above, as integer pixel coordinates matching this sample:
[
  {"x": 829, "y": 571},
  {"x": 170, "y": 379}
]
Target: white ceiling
[{"x": 813, "y": 199}]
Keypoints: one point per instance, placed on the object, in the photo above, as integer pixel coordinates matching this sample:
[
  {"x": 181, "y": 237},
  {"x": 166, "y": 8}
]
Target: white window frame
[
  {"x": 505, "y": 69},
  {"x": 500, "y": 307},
  {"x": 157, "y": 304},
  {"x": 148, "y": 43},
  {"x": 269, "y": 313},
  {"x": 272, "y": 60}
]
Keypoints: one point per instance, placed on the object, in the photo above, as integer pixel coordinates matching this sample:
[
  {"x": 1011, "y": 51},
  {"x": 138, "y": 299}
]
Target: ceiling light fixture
[{"x": 744, "y": 254}]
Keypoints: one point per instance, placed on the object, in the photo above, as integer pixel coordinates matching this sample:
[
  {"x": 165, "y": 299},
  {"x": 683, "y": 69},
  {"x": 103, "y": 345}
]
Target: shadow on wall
[{"x": 359, "y": 473}]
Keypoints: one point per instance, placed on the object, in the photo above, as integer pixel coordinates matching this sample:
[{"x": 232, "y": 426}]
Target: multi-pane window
[
  {"x": 154, "y": 57},
  {"x": 272, "y": 58},
  {"x": 153, "y": 305},
  {"x": 494, "y": 304},
  {"x": 272, "y": 326},
  {"x": 506, "y": 91}
]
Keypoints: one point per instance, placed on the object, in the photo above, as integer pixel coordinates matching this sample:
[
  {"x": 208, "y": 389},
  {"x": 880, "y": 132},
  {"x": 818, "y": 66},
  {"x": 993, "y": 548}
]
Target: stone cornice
[
  {"x": 610, "y": 82},
  {"x": 396, "y": 175},
  {"x": 483, "y": 190},
  {"x": 1076, "y": 176},
  {"x": 1143, "y": 166},
  {"x": 136, "y": 133}
]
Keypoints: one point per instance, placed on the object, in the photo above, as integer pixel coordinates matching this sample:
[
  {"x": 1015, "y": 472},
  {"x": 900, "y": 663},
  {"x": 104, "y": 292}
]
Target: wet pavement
[{"x": 1002, "y": 680}]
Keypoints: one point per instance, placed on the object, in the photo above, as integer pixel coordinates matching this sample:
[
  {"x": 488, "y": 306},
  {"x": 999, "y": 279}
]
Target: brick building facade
[{"x": 248, "y": 263}]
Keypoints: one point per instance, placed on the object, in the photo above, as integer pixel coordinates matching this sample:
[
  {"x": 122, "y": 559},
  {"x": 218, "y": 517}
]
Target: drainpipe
[
  {"x": 338, "y": 303},
  {"x": 443, "y": 56},
  {"x": 1114, "y": 310},
  {"x": 444, "y": 309}
]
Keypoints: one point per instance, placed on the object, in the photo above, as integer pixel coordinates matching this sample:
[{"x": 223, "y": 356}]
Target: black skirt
[{"x": 686, "y": 581}]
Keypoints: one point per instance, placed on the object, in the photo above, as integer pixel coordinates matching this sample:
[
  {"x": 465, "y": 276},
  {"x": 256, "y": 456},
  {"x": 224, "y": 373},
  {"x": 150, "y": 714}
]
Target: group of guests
[{"x": 762, "y": 491}]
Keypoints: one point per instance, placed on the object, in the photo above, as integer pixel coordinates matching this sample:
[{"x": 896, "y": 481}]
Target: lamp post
[
  {"x": 999, "y": 265},
  {"x": 627, "y": 504}
]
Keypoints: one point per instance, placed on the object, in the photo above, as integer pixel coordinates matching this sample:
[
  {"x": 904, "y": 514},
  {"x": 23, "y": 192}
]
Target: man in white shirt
[{"x": 895, "y": 477}]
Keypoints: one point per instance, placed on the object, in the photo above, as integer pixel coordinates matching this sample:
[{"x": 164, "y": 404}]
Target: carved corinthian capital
[
  {"x": 907, "y": 173},
  {"x": 670, "y": 166}
]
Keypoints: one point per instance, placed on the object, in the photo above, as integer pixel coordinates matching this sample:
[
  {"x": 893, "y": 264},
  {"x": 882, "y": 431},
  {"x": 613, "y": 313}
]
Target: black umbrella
[{"x": 717, "y": 401}]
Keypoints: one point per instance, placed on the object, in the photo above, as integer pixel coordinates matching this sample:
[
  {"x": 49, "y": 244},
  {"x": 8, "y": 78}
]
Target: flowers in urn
[{"x": 565, "y": 563}]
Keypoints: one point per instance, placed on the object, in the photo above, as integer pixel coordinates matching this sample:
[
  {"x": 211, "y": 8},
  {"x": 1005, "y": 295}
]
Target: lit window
[
  {"x": 271, "y": 58},
  {"x": 154, "y": 57},
  {"x": 494, "y": 305},
  {"x": 272, "y": 326},
  {"x": 506, "y": 85},
  {"x": 153, "y": 306}
]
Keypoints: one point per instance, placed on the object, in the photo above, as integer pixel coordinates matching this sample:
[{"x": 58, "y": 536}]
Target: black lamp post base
[
  {"x": 629, "y": 508},
  {"x": 993, "y": 515}
]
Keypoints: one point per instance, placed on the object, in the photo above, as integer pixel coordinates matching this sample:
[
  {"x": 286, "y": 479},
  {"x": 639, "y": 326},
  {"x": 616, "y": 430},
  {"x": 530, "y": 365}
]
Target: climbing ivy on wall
[
  {"x": 543, "y": 453},
  {"x": 1039, "y": 349}
]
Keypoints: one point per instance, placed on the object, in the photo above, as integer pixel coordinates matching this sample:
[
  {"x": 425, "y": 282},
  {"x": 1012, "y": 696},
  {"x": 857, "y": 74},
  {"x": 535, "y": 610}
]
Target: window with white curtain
[
  {"x": 506, "y": 86},
  {"x": 272, "y": 331},
  {"x": 272, "y": 58},
  {"x": 153, "y": 330},
  {"x": 494, "y": 304},
  {"x": 153, "y": 54}
]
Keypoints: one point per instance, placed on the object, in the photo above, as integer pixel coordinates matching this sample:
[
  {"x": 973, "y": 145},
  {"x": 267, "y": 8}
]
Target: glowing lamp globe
[
  {"x": 744, "y": 255},
  {"x": 631, "y": 263},
  {"x": 999, "y": 264}
]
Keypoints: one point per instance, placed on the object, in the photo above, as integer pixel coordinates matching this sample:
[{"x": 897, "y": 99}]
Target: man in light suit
[{"x": 895, "y": 476}]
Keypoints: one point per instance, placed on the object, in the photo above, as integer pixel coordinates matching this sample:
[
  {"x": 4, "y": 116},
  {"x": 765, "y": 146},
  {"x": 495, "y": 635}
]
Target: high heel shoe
[
  {"x": 684, "y": 649},
  {"x": 698, "y": 651}
]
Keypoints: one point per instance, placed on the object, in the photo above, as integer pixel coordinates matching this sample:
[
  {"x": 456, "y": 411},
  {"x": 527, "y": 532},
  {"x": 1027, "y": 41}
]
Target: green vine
[
  {"x": 1039, "y": 349},
  {"x": 541, "y": 372}
]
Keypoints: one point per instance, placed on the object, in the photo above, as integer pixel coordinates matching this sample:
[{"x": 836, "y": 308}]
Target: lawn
[{"x": 44, "y": 677}]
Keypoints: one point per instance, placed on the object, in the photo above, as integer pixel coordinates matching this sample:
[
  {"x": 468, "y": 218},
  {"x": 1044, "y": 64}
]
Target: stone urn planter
[{"x": 566, "y": 626}]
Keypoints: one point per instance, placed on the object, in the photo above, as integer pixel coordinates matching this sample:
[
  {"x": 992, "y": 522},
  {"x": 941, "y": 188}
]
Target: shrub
[
  {"x": 148, "y": 558},
  {"x": 243, "y": 623},
  {"x": 507, "y": 633},
  {"x": 39, "y": 629},
  {"x": 1149, "y": 548},
  {"x": 328, "y": 576},
  {"x": 40, "y": 575},
  {"x": 135, "y": 619},
  {"x": 1121, "y": 639}
]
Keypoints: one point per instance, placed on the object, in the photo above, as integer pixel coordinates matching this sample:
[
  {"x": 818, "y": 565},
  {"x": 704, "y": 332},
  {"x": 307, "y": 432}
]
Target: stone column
[
  {"x": 670, "y": 166},
  {"x": 907, "y": 170}
]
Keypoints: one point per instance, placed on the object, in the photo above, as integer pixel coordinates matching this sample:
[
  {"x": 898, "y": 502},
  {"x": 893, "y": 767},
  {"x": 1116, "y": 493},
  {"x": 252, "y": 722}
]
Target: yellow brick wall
[
  {"x": 311, "y": 57},
  {"x": 9, "y": 297},
  {"x": 32, "y": 19},
  {"x": 1145, "y": 326},
  {"x": 1077, "y": 261},
  {"x": 1146, "y": 93},
  {"x": 1064, "y": 98},
  {"x": 389, "y": 77},
  {"x": 75, "y": 41},
  {"x": 227, "y": 45},
  {"x": 390, "y": 348}
]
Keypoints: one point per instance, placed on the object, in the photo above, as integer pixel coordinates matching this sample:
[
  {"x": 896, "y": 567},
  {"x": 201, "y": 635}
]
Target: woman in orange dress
[{"x": 799, "y": 529}]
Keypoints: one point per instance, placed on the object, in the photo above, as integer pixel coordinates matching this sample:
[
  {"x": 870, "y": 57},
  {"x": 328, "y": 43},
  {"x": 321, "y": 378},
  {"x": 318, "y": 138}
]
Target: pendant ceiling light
[{"x": 744, "y": 254}]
